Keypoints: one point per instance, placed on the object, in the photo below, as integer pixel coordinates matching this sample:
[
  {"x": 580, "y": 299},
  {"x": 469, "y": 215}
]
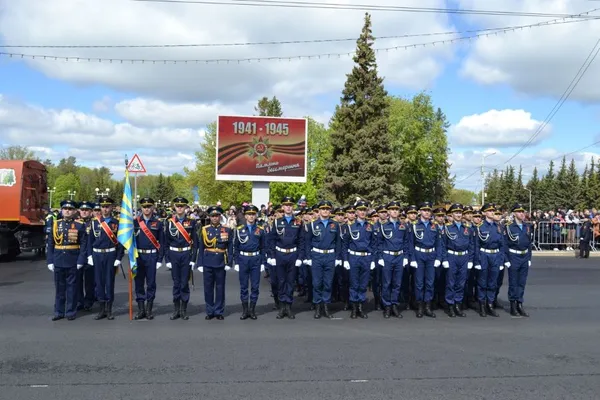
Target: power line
[
  {"x": 250, "y": 59},
  {"x": 559, "y": 21},
  {"x": 362, "y": 7},
  {"x": 563, "y": 98}
]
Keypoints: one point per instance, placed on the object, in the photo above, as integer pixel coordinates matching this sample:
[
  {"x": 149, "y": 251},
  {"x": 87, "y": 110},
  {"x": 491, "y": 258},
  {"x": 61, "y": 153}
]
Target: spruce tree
[
  {"x": 562, "y": 185},
  {"x": 534, "y": 186},
  {"x": 573, "y": 195},
  {"x": 362, "y": 162}
]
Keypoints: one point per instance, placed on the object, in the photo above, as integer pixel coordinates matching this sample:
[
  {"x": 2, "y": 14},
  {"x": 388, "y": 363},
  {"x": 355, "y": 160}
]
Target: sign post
[
  {"x": 135, "y": 167},
  {"x": 261, "y": 150}
]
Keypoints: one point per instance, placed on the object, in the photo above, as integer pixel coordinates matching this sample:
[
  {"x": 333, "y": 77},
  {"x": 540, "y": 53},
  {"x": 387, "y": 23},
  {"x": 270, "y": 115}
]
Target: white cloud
[
  {"x": 537, "y": 61},
  {"x": 502, "y": 128},
  {"x": 102, "y": 105},
  {"x": 94, "y": 22}
]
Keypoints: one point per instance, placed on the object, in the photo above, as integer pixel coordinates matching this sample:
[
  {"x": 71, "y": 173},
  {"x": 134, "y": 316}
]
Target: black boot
[
  {"x": 353, "y": 312},
  {"x": 481, "y": 309},
  {"x": 183, "y": 311},
  {"x": 428, "y": 311},
  {"x": 326, "y": 310},
  {"x": 396, "y": 311},
  {"x": 490, "y": 310},
  {"x": 175, "y": 314},
  {"x": 451, "y": 312},
  {"x": 317, "y": 311},
  {"x": 521, "y": 310},
  {"x": 253, "y": 311},
  {"x": 109, "y": 314},
  {"x": 420, "y": 308},
  {"x": 244, "y": 311},
  {"x": 513, "y": 309},
  {"x": 102, "y": 312},
  {"x": 360, "y": 311},
  {"x": 495, "y": 303},
  {"x": 377, "y": 303},
  {"x": 277, "y": 305},
  {"x": 387, "y": 312},
  {"x": 435, "y": 302},
  {"x": 289, "y": 312},
  {"x": 282, "y": 311},
  {"x": 149, "y": 306},
  {"x": 141, "y": 314},
  {"x": 458, "y": 310}
]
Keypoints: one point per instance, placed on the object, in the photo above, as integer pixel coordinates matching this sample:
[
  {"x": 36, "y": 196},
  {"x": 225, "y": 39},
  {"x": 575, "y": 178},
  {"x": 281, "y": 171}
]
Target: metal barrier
[{"x": 550, "y": 235}]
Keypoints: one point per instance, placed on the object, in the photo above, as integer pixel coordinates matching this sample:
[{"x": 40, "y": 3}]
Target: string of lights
[{"x": 331, "y": 55}]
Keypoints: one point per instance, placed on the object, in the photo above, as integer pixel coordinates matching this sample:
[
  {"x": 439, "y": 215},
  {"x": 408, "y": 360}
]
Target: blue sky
[{"x": 495, "y": 91}]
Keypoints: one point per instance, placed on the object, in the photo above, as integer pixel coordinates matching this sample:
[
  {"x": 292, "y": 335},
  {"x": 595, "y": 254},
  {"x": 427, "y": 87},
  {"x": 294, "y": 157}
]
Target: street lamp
[
  {"x": 51, "y": 191},
  {"x": 483, "y": 157},
  {"x": 72, "y": 194},
  {"x": 100, "y": 193}
]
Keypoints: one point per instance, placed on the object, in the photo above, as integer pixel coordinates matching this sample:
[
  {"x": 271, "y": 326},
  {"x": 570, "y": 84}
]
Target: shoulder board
[
  {"x": 297, "y": 218},
  {"x": 448, "y": 223},
  {"x": 81, "y": 221},
  {"x": 49, "y": 216},
  {"x": 467, "y": 224},
  {"x": 58, "y": 219},
  {"x": 413, "y": 222},
  {"x": 507, "y": 222},
  {"x": 240, "y": 227}
]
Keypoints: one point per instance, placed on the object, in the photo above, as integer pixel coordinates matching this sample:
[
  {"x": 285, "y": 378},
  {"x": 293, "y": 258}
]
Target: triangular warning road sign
[{"x": 135, "y": 165}]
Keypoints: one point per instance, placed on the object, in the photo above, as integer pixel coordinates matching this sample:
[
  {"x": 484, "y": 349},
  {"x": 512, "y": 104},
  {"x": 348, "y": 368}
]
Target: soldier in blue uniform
[
  {"x": 105, "y": 254},
  {"x": 426, "y": 257},
  {"x": 287, "y": 244},
  {"x": 215, "y": 254},
  {"x": 407, "y": 288},
  {"x": 324, "y": 245},
  {"x": 518, "y": 243},
  {"x": 489, "y": 257},
  {"x": 393, "y": 249},
  {"x": 338, "y": 215},
  {"x": 439, "y": 216},
  {"x": 86, "y": 286},
  {"x": 307, "y": 218},
  {"x": 459, "y": 243},
  {"x": 181, "y": 246},
  {"x": 350, "y": 211},
  {"x": 66, "y": 254},
  {"x": 359, "y": 251},
  {"x": 249, "y": 255},
  {"x": 150, "y": 241}
]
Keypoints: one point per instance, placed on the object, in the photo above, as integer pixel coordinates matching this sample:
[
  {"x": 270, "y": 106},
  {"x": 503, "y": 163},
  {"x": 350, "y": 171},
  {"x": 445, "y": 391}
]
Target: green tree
[
  {"x": 584, "y": 189},
  {"x": 362, "y": 163},
  {"x": 572, "y": 193},
  {"x": 521, "y": 195},
  {"x": 561, "y": 184},
  {"x": 17, "y": 153},
  {"x": 181, "y": 187},
  {"x": 462, "y": 196},
  {"x": 547, "y": 191},
  {"x": 269, "y": 108},
  {"x": 64, "y": 184}
]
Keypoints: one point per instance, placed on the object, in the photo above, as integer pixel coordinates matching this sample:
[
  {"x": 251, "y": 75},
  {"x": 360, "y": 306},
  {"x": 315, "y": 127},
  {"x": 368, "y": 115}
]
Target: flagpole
[{"x": 130, "y": 272}]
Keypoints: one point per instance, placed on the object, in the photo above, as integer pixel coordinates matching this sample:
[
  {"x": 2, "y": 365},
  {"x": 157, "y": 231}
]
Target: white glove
[
  {"x": 381, "y": 262},
  {"x": 338, "y": 262},
  {"x": 507, "y": 264},
  {"x": 437, "y": 263},
  {"x": 169, "y": 266},
  {"x": 372, "y": 265},
  {"x": 347, "y": 265},
  {"x": 158, "y": 265},
  {"x": 117, "y": 263},
  {"x": 308, "y": 262},
  {"x": 262, "y": 267},
  {"x": 478, "y": 267},
  {"x": 469, "y": 265},
  {"x": 529, "y": 263},
  {"x": 90, "y": 260},
  {"x": 79, "y": 266},
  {"x": 273, "y": 262},
  {"x": 298, "y": 263},
  {"x": 405, "y": 262},
  {"x": 501, "y": 267},
  {"x": 227, "y": 268},
  {"x": 237, "y": 267},
  {"x": 51, "y": 267},
  {"x": 413, "y": 264},
  {"x": 446, "y": 264},
  {"x": 200, "y": 269},
  {"x": 192, "y": 264}
]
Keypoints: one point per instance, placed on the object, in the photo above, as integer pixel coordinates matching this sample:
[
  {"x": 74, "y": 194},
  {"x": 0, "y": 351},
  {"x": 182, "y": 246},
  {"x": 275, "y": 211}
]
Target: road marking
[
  {"x": 359, "y": 380},
  {"x": 38, "y": 386}
]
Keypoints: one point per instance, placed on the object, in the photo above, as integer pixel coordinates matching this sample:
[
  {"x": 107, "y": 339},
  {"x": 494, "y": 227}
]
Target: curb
[{"x": 570, "y": 254}]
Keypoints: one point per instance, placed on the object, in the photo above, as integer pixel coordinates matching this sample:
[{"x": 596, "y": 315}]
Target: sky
[{"x": 498, "y": 88}]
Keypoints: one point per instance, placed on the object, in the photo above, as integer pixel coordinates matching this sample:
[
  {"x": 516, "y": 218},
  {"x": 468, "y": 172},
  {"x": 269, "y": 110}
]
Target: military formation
[{"x": 417, "y": 258}]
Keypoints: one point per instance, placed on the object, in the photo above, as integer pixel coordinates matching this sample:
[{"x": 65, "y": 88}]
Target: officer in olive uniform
[
  {"x": 215, "y": 254},
  {"x": 66, "y": 254},
  {"x": 249, "y": 256},
  {"x": 150, "y": 242},
  {"x": 86, "y": 286},
  {"x": 519, "y": 239},
  {"x": 105, "y": 255}
]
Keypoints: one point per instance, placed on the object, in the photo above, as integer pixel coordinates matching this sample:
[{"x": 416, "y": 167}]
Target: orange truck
[{"x": 23, "y": 204}]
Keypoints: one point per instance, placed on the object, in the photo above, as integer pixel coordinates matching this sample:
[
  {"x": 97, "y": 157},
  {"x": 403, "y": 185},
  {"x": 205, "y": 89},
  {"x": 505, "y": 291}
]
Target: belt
[
  {"x": 521, "y": 252},
  {"x": 490, "y": 251},
  {"x": 252, "y": 254},
  {"x": 109, "y": 250},
  {"x": 458, "y": 253},
  {"x": 142, "y": 251},
  {"x": 286, "y": 251},
  {"x": 323, "y": 251},
  {"x": 393, "y": 253},
  {"x": 67, "y": 247},
  {"x": 422, "y": 250},
  {"x": 359, "y": 253},
  {"x": 216, "y": 250},
  {"x": 180, "y": 249}
]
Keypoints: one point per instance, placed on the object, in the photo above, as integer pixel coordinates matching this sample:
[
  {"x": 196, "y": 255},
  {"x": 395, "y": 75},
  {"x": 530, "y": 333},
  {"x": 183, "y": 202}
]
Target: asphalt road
[{"x": 555, "y": 354}]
